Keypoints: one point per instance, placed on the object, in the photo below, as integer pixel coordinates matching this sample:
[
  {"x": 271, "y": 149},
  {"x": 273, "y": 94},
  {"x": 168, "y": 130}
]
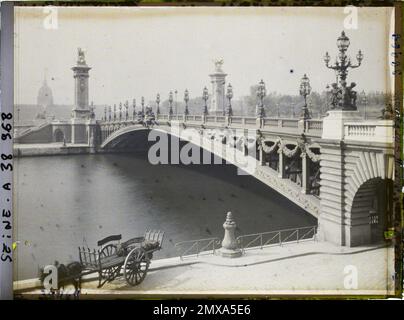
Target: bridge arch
[
  {"x": 215, "y": 144},
  {"x": 58, "y": 135},
  {"x": 368, "y": 197},
  {"x": 371, "y": 210}
]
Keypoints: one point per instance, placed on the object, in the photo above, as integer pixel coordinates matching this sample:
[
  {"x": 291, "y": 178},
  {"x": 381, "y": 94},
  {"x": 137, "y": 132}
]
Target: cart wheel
[
  {"x": 109, "y": 273},
  {"x": 136, "y": 266}
]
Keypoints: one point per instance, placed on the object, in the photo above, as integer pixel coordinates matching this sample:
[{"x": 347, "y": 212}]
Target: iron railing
[
  {"x": 272, "y": 238},
  {"x": 195, "y": 247}
]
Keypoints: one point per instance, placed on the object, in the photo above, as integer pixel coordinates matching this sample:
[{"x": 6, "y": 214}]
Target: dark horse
[{"x": 67, "y": 274}]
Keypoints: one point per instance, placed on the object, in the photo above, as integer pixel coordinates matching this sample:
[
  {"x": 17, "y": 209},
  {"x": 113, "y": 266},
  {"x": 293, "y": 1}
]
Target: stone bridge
[{"x": 336, "y": 168}]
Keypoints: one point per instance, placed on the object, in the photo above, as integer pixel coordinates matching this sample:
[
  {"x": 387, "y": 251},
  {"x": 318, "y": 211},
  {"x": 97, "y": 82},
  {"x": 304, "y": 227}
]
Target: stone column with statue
[
  {"x": 81, "y": 113},
  {"x": 218, "y": 80}
]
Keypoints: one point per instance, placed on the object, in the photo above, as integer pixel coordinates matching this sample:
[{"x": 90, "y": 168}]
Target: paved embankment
[
  {"x": 48, "y": 149},
  {"x": 304, "y": 268}
]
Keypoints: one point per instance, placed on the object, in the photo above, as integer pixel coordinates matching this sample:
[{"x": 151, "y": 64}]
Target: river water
[{"x": 62, "y": 202}]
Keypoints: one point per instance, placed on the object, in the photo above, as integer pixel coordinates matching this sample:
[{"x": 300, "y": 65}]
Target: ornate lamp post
[
  {"x": 344, "y": 97},
  {"x": 364, "y": 102},
  {"x": 126, "y": 110},
  {"x": 170, "y": 101},
  {"x": 229, "y": 96},
  {"x": 109, "y": 113},
  {"x": 158, "y": 104},
  {"x": 105, "y": 114},
  {"x": 261, "y": 93},
  {"x": 114, "y": 112},
  {"x": 176, "y": 106},
  {"x": 120, "y": 111},
  {"x": 205, "y": 97},
  {"x": 134, "y": 109},
  {"x": 142, "y": 103},
  {"x": 305, "y": 90},
  {"x": 186, "y": 99}
]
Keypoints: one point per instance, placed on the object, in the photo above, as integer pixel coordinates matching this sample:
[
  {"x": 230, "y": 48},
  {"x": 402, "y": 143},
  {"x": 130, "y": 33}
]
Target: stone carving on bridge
[
  {"x": 294, "y": 194},
  {"x": 290, "y": 153},
  {"x": 343, "y": 97},
  {"x": 218, "y": 65},
  {"x": 80, "y": 57},
  {"x": 268, "y": 149},
  {"x": 313, "y": 156}
]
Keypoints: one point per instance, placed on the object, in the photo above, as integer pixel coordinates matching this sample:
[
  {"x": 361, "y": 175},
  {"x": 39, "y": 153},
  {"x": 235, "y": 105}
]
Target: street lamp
[
  {"x": 364, "y": 102},
  {"x": 114, "y": 112},
  {"x": 344, "y": 97},
  {"x": 229, "y": 96},
  {"x": 261, "y": 93},
  {"x": 186, "y": 99},
  {"x": 176, "y": 107},
  {"x": 305, "y": 90},
  {"x": 205, "y": 97},
  {"x": 120, "y": 111},
  {"x": 126, "y": 110},
  {"x": 105, "y": 113},
  {"x": 142, "y": 103},
  {"x": 170, "y": 101},
  {"x": 158, "y": 103},
  {"x": 109, "y": 113},
  {"x": 134, "y": 109}
]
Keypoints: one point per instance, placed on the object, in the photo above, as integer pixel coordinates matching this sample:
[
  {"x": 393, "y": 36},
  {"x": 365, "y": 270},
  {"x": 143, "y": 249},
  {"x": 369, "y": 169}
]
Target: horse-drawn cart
[{"x": 133, "y": 255}]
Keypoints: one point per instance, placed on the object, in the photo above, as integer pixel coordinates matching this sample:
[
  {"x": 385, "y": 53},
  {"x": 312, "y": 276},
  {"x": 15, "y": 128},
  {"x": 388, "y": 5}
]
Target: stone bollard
[{"x": 229, "y": 247}]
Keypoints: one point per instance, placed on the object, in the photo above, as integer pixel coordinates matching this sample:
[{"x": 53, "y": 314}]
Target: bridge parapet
[
  {"x": 381, "y": 131},
  {"x": 311, "y": 127}
]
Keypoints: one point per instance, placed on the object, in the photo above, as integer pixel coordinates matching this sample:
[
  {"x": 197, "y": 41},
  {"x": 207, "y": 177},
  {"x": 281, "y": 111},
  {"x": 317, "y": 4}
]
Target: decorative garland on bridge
[
  {"x": 287, "y": 152},
  {"x": 313, "y": 157},
  {"x": 268, "y": 149}
]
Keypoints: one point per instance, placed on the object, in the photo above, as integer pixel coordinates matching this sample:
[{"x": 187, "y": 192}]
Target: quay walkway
[{"x": 304, "y": 268}]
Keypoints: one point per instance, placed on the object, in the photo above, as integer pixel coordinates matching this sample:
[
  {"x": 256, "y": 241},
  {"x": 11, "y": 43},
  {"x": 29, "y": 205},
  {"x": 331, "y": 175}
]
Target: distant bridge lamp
[
  {"x": 158, "y": 103},
  {"x": 126, "y": 110},
  {"x": 170, "y": 101},
  {"x": 364, "y": 101},
  {"x": 305, "y": 90},
  {"x": 142, "y": 103},
  {"x": 261, "y": 93},
  {"x": 186, "y": 99},
  {"x": 176, "y": 104},
  {"x": 205, "y": 97},
  {"x": 134, "y": 109},
  {"x": 229, "y": 96}
]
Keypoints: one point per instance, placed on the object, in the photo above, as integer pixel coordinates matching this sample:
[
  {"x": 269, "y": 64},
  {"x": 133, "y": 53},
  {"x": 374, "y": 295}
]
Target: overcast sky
[{"x": 142, "y": 51}]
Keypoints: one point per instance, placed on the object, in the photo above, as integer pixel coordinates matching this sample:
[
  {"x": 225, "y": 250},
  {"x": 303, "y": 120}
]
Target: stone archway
[
  {"x": 371, "y": 210},
  {"x": 58, "y": 135}
]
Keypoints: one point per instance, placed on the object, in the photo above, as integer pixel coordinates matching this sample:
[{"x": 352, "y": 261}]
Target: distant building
[{"x": 45, "y": 97}]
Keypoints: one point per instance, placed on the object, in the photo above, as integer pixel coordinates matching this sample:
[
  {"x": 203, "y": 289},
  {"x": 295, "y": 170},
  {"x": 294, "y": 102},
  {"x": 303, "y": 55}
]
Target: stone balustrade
[{"x": 374, "y": 131}]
